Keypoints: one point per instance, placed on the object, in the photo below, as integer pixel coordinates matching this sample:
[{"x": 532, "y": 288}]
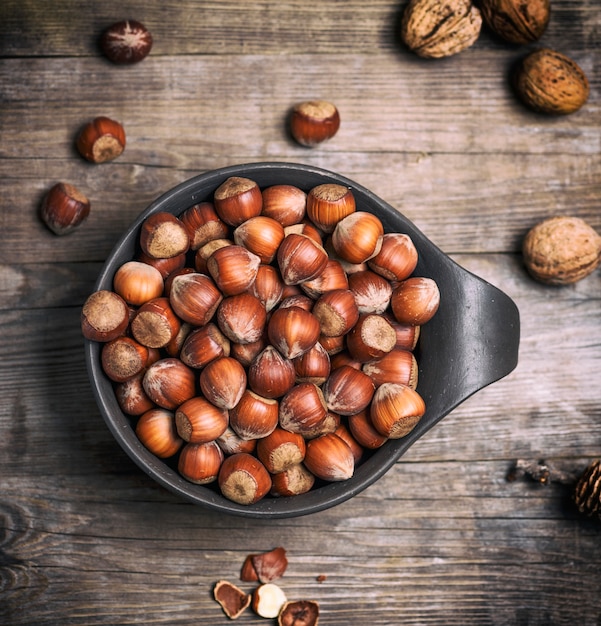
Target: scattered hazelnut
[
  {"x": 232, "y": 599},
  {"x": 126, "y": 42},
  {"x": 561, "y": 250},
  {"x": 101, "y": 140},
  {"x": 552, "y": 83},
  {"x": 64, "y": 208},
  {"x": 313, "y": 122}
]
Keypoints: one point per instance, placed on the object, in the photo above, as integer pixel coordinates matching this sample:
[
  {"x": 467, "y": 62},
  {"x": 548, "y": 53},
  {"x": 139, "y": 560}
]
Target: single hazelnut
[
  {"x": 254, "y": 417},
  {"x": 203, "y": 224},
  {"x": 233, "y": 268},
  {"x": 284, "y": 203},
  {"x": 104, "y": 316},
  {"x": 243, "y": 479},
  {"x": 358, "y": 237},
  {"x": 348, "y": 390},
  {"x": 169, "y": 383},
  {"x": 300, "y": 258},
  {"x": 126, "y": 42},
  {"x": 314, "y": 122},
  {"x": 101, "y": 140},
  {"x": 64, "y": 208},
  {"x": 231, "y": 443},
  {"x": 123, "y": 358},
  {"x": 200, "y": 421},
  {"x": 415, "y": 300},
  {"x": 329, "y": 203},
  {"x": 561, "y": 250},
  {"x": 336, "y": 311},
  {"x": 131, "y": 397},
  {"x": 370, "y": 338},
  {"x": 206, "y": 250},
  {"x": 293, "y": 481},
  {"x": 328, "y": 457},
  {"x": 200, "y": 463},
  {"x": 396, "y": 409},
  {"x": 313, "y": 366},
  {"x": 268, "y": 286},
  {"x": 163, "y": 235},
  {"x": 270, "y": 374},
  {"x": 398, "y": 366},
  {"x": 281, "y": 449},
  {"x": 155, "y": 324},
  {"x": 238, "y": 199},
  {"x": 332, "y": 277},
  {"x": 203, "y": 345},
  {"x": 242, "y": 318},
  {"x": 194, "y": 298},
  {"x": 371, "y": 291},
  {"x": 293, "y": 331},
  {"x": 156, "y": 430},
  {"x": 260, "y": 235},
  {"x": 302, "y": 409},
  {"x": 138, "y": 282},
  {"x": 166, "y": 266},
  {"x": 397, "y": 257},
  {"x": 222, "y": 382}
]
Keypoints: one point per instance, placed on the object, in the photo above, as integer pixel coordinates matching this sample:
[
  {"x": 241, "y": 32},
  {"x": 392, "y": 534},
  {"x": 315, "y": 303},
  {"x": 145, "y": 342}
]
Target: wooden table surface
[{"x": 443, "y": 538}]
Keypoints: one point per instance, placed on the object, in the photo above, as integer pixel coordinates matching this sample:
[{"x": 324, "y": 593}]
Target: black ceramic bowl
[{"x": 471, "y": 342}]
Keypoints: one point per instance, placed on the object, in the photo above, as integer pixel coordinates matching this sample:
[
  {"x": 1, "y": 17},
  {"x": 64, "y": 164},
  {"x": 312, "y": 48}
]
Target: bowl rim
[{"x": 486, "y": 298}]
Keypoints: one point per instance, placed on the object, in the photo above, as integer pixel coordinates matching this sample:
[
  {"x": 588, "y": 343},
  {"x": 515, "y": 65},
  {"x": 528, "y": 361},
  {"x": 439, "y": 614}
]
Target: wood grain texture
[{"x": 444, "y": 538}]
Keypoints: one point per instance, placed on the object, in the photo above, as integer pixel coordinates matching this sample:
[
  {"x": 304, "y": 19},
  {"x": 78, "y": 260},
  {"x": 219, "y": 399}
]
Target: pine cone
[{"x": 587, "y": 493}]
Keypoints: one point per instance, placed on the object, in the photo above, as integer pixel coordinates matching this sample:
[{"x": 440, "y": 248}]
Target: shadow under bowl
[{"x": 471, "y": 342}]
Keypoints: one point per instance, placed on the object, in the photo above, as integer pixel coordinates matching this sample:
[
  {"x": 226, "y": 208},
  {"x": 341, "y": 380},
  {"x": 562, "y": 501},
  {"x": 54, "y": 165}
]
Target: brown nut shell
[
  {"x": 561, "y": 250},
  {"x": 440, "y": 28},
  {"x": 552, "y": 83},
  {"x": 516, "y": 21}
]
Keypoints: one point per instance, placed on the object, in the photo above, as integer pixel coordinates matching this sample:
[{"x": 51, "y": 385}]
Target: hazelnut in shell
[
  {"x": 156, "y": 430},
  {"x": 101, "y": 140},
  {"x": 137, "y": 282},
  {"x": 243, "y": 479},
  {"x": 104, "y": 316},
  {"x": 329, "y": 457},
  {"x": 396, "y": 409},
  {"x": 238, "y": 199},
  {"x": 64, "y": 208},
  {"x": 126, "y": 42},
  {"x": 200, "y": 462},
  {"x": 313, "y": 122}
]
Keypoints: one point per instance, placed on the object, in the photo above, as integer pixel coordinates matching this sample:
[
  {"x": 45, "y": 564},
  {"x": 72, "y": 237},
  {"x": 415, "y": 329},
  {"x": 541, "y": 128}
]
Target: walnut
[
  {"x": 516, "y": 21},
  {"x": 440, "y": 28},
  {"x": 561, "y": 250},
  {"x": 550, "y": 82}
]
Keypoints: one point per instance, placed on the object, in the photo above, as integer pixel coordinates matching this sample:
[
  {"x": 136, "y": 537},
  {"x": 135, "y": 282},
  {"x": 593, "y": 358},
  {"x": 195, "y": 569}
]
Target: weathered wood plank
[
  {"x": 464, "y": 203},
  {"x": 229, "y": 27}
]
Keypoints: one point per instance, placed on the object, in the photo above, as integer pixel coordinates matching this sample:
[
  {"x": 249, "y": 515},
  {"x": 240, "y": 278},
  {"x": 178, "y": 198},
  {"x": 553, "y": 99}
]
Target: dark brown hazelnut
[
  {"x": 126, "y": 42},
  {"x": 101, "y": 140},
  {"x": 64, "y": 208}
]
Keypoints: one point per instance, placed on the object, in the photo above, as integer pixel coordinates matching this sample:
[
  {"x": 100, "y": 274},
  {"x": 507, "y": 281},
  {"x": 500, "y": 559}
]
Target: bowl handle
[{"x": 472, "y": 343}]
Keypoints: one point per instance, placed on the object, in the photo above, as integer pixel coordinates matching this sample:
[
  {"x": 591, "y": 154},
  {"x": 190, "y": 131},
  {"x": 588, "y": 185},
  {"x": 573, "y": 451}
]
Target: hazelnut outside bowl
[{"x": 471, "y": 342}]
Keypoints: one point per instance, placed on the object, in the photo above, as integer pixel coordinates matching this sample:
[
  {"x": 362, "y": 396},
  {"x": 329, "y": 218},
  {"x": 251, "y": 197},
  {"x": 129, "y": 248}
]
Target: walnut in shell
[
  {"x": 561, "y": 250},
  {"x": 440, "y": 28},
  {"x": 516, "y": 21},
  {"x": 550, "y": 82}
]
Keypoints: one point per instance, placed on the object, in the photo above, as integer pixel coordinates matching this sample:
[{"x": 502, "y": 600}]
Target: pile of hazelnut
[{"x": 264, "y": 339}]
